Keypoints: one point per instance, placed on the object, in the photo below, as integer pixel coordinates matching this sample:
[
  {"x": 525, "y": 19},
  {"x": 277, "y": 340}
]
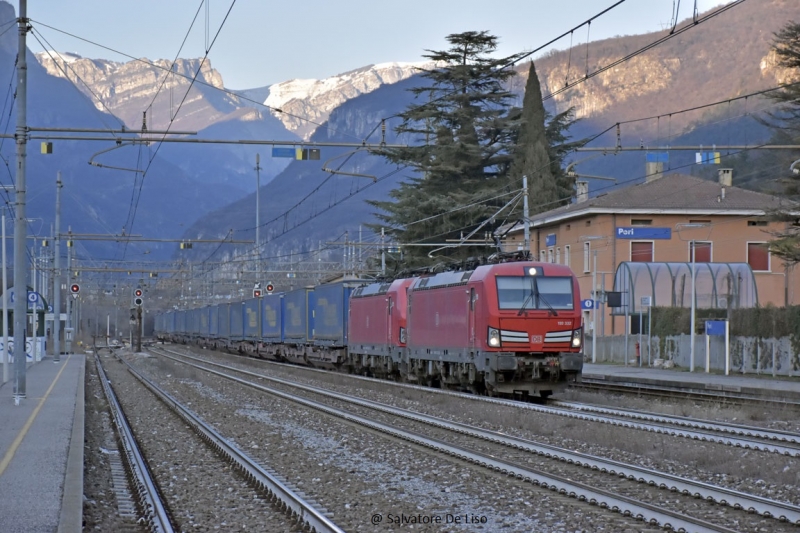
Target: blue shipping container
[
  {"x": 204, "y": 322},
  {"x": 224, "y": 316},
  {"x": 330, "y": 308},
  {"x": 180, "y": 322},
  {"x": 252, "y": 319},
  {"x": 298, "y": 316},
  {"x": 213, "y": 321},
  {"x": 237, "y": 321},
  {"x": 272, "y": 313}
]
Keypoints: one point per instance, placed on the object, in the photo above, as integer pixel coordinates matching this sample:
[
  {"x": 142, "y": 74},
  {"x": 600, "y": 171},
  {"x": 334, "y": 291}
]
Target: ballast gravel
[
  {"x": 369, "y": 482},
  {"x": 760, "y": 473}
]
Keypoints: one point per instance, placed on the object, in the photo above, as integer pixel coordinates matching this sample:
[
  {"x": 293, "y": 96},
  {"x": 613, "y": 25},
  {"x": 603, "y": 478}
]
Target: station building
[{"x": 656, "y": 225}]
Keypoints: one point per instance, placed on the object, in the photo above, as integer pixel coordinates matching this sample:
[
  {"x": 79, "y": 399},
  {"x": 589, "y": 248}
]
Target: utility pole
[
  {"x": 21, "y": 226},
  {"x": 57, "y": 276},
  {"x": 139, "y": 329},
  {"x": 69, "y": 330},
  {"x": 258, "y": 216},
  {"x": 526, "y": 220}
]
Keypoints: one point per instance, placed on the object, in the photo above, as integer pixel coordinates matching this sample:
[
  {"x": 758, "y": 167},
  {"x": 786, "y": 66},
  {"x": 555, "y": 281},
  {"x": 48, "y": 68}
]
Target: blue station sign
[
  {"x": 639, "y": 232},
  {"x": 550, "y": 240},
  {"x": 715, "y": 327}
]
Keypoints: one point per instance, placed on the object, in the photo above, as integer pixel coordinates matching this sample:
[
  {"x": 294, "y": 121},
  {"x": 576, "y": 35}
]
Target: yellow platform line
[{"x": 24, "y": 431}]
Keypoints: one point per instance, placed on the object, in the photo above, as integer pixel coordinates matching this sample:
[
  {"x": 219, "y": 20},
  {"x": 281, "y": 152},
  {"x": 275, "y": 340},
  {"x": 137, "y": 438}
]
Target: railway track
[
  {"x": 149, "y": 504},
  {"x": 738, "y": 436},
  {"x": 720, "y": 395},
  {"x": 287, "y": 501},
  {"x": 620, "y": 501}
]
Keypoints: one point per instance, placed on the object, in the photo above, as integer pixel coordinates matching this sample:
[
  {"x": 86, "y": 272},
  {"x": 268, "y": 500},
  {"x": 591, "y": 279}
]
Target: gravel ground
[
  {"x": 357, "y": 474},
  {"x": 760, "y": 473},
  {"x": 201, "y": 491}
]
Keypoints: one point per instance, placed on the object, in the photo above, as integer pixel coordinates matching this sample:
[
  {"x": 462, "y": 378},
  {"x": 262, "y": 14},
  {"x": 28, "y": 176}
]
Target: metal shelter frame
[{"x": 718, "y": 285}]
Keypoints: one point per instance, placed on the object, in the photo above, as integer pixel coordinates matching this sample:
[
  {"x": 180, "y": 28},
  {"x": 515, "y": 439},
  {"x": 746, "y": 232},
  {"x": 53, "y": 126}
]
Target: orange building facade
[{"x": 660, "y": 221}]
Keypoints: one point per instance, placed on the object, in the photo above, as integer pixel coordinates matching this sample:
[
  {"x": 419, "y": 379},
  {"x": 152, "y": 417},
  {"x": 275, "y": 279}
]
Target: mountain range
[{"x": 204, "y": 193}]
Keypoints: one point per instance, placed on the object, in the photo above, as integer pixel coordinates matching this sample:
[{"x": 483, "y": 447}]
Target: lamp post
[
  {"x": 692, "y": 253},
  {"x": 594, "y": 292}
]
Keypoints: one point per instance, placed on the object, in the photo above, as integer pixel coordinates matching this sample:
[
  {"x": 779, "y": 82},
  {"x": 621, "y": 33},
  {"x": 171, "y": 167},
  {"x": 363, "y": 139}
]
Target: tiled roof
[{"x": 668, "y": 193}]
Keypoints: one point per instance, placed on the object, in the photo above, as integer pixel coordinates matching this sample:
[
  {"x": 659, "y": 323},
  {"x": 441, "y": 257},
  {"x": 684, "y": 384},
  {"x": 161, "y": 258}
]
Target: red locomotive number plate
[{"x": 536, "y": 339}]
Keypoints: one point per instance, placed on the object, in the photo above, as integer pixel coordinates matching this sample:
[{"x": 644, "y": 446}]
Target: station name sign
[{"x": 639, "y": 232}]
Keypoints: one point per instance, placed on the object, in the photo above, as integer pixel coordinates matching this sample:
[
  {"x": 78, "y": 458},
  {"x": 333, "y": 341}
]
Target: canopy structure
[{"x": 717, "y": 285}]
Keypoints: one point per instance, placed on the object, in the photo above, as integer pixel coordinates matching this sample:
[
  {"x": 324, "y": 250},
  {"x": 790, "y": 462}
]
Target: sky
[{"x": 262, "y": 42}]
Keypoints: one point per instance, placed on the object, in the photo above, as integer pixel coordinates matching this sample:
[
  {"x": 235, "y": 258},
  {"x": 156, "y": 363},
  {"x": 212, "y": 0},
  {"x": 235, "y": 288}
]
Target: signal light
[
  {"x": 256, "y": 293},
  {"x": 138, "y": 301},
  {"x": 74, "y": 288},
  {"x": 270, "y": 288},
  {"x": 138, "y": 293}
]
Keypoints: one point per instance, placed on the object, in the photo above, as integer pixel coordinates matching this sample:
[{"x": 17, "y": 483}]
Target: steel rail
[
  {"x": 624, "y": 505},
  {"x": 709, "y": 395},
  {"x": 150, "y": 502},
  {"x": 697, "y": 423},
  {"x": 736, "y": 499},
  {"x": 298, "y": 507},
  {"x": 738, "y": 442}
]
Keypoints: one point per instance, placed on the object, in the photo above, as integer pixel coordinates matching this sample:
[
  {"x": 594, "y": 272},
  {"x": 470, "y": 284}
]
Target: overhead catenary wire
[{"x": 172, "y": 119}]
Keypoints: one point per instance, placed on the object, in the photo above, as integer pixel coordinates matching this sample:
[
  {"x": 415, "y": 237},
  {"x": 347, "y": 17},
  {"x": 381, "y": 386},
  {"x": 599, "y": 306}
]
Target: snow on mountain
[{"x": 307, "y": 103}]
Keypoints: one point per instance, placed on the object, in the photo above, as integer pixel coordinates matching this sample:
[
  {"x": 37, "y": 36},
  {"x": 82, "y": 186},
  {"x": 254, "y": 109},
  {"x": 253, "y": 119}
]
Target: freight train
[{"x": 511, "y": 329}]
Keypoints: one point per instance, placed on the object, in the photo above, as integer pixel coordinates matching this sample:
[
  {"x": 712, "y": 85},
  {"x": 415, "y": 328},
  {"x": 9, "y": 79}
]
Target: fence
[{"x": 749, "y": 355}]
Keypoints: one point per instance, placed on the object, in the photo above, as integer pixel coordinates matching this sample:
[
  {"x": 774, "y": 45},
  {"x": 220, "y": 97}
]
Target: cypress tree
[{"x": 461, "y": 141}]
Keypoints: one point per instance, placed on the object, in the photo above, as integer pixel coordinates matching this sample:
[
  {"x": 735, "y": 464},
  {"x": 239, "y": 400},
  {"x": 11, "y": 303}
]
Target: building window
[
  {"x": 641, "y": 222},
  {"x": 541, "y": 255},
  {"x": 757, "y": 222},
  {"x": 642, "y": 251},
  {"x": 566, "y": 255},
  {"x": 549, "y": 255},
  {"x": 702, "y": 252},
  {"x": 588, "y": 222},
  {"x": 758, "y": 256},
  {"x": 587, "y": 249},
  {"x": 568, "y": 226}
]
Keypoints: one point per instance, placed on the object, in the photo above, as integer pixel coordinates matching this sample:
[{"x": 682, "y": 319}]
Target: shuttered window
[
  {"x": 702, "y": 252},
  {"x": 758, "y": 255},
  {"x": 641, "y": 252}
]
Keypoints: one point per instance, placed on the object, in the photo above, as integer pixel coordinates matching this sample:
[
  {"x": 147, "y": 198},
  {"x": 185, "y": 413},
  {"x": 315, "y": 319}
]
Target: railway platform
[
  {"x": 752, "y": 386},
  {"x": 41, "y": 449}
]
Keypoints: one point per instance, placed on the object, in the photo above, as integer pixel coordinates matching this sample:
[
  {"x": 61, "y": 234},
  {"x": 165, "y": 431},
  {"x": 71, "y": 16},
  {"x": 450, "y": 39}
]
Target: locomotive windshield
[{"x": 534, "y": 292}]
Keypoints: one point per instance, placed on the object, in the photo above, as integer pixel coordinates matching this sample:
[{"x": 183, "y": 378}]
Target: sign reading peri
[{"x": 638, "y": 232}]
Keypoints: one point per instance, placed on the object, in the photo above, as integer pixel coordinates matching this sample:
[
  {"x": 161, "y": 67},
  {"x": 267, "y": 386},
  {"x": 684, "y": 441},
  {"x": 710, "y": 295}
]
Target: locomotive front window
[{"x": 534, "y": 292}]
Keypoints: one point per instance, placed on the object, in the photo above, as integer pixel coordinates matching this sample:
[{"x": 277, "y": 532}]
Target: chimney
[
  {"x": 725, "y": 177},
  {"x": 581, "y": 191},
  {"x": 653, "y": 170}
]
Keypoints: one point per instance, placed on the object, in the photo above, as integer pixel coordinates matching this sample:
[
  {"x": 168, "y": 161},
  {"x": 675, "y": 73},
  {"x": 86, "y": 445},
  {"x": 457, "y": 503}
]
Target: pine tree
[{"x": 461, "y": 141}]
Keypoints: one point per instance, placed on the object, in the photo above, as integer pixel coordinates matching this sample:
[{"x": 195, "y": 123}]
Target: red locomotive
[{"x": 510, "y": 328}]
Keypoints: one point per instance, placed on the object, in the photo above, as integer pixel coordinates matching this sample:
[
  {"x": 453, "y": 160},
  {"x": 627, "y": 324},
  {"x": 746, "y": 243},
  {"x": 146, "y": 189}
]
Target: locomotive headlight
[
  {"x": 532, "y": 271},
  {"x": 403, "y": 335},
  {"x": 577, "y": 338},
  {"x": 494, "y": 337}
]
